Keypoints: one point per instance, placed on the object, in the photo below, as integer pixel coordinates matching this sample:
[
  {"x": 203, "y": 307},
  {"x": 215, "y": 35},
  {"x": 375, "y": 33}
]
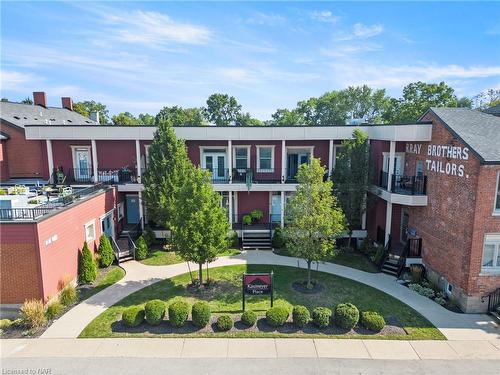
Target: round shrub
[
  {"x": 154, "y": 312},
  {"x": 300, "y": 316},
  {"x": 53, "y": 309},
  {"x": 133, "y": 316},
  {"x": 224, "y": 323},
  {"x": 321, "y": 316},
  {"x": 372, "y": 320},
  {"x": 346, "y": 315},
  {"x": 249, "y": 318},
  {"x": 201, "y": 314},
  {"x": 178, "y": 312},
  {"x": 277, "y": 316}
]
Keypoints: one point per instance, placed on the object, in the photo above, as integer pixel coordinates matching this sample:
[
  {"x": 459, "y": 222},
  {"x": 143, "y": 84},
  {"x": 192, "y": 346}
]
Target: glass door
[
  {"x": 215, "y": 163},
  {"x": 107, "y": 225},
  {"x": 276, "y": 207},
  {"x": 82, "y": 165}
]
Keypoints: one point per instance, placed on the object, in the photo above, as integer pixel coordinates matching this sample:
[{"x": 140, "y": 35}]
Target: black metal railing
[
  {"x": 84, "y": 175},
  {"x": 400, "y": 184},
  {"x": 494, "y": 300},
  {"x": 219, "y": 175},
  {"x": 116, "y": 175},
  {"x": 414, "y": 248}
]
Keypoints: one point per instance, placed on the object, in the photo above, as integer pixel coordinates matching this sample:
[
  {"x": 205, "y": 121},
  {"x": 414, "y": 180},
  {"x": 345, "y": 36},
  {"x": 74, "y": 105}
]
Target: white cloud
[
  {"x": 324, "y": 16},
  {"x": 154, "y": 28},
  {"x": 266, "y": 19},
  {"x": 364, "y": 31},
  {"x": 346, "y": 50},
  {"x": 11, "y": 80}
]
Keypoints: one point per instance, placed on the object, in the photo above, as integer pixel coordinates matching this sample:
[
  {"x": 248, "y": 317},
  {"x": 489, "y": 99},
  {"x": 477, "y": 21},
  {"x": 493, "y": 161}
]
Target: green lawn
[
  {"x": 108, "y": 278},
  {"x": 348, "y": 258},
  {"x": 225, "y": 297},
  {"x": 164, "y": 258}
]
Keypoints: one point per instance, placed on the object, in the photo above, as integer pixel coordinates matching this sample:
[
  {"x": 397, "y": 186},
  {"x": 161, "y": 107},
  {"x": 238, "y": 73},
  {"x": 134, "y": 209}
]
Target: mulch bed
[{"x": 392, "y": 328}]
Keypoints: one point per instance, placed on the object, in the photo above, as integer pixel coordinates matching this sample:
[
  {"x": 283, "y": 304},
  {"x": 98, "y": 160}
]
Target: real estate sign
[{"x": 257, "y": 284}]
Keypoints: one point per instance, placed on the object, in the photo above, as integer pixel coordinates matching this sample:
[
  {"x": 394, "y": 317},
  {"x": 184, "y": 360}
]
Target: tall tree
[
  {"x": 222, "y": 109},
  {"x": 124, "y": 118},
  {"x": 166, "y": 174},
  {"x": 417, "y": 98},
  {"x": 351, "y": 178},
  {"x": 246, "y": 119},
  {"x": 200, "y": 229},
  {"x": 86, "y": 107},
  {"x": 313, "y": 218},
  {"x": 286, "y": 117},
  {"x": 178, "y": 116},
  {"x": 146, "y": 119}
]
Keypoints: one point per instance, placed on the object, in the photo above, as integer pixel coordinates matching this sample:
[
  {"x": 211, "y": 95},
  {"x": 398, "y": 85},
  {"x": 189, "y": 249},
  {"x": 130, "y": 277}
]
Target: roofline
[
  {"x": 8, "y": 123},
  {"x": 450, "y": 129},
  {"x": 3, "y": 134}
]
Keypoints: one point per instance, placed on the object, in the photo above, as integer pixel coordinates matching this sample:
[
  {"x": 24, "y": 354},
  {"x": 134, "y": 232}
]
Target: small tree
[
  {"x": 352, "y": 176},
  {"x": 142, "y": 249},
  {"x": 201, "y": 226},
  {"x": 312, "y": 216},
  {"x": 105, "y": 251},
  {"x": 87, "y": 269}
]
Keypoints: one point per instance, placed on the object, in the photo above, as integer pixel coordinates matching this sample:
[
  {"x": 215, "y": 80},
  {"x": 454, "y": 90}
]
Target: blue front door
[
  {"x": 133, "y": 209},
  {"x": 106, "y": 224}
]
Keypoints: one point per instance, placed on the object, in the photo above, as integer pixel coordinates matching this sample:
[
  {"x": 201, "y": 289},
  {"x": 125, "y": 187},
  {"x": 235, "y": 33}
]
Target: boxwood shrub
[
  {"x": 133, "y": 316},
  {"x": 249, "y": 318},
  {"x": 346, "y": 315},
  {"x": 277, "y": 316},
  {"x": 372, "y": 320},
  {"x": 201, "y": 314},
  {"x": 224, "y": 323},
  {"x": 321, "y": 316},
  {"x": 154, "y": 312},
  {"x": 300, "y": 316},
  {"x": 178, "y": 312}
]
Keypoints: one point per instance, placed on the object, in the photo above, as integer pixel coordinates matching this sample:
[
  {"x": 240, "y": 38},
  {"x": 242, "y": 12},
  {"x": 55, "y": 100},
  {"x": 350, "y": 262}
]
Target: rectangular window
[
  {"x": 265, "y": 159},
  {"x": 241, "y": 157},
  {"x": 497, "y": 198},
  {"x": 90, "y": 231},
  {"x": 491, "y": 253}
]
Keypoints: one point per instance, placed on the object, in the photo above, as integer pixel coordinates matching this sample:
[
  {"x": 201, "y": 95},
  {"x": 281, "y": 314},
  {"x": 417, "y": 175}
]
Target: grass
[
  {"x": 109, "y": 278},
  {"x": 225, "y": 298},
  {"x": 164, "y": 258},
  {"x": 348, "y": 258}
]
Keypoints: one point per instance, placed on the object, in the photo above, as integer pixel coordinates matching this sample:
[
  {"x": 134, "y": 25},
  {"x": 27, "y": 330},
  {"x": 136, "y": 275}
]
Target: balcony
[
  {"x": 110, "y": 176},
  {"x": 246, "y": 176},
  {"x": 406, "y": 185}
]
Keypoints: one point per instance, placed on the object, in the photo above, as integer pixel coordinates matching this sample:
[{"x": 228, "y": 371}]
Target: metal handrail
[{"x": 116, "y": 249}]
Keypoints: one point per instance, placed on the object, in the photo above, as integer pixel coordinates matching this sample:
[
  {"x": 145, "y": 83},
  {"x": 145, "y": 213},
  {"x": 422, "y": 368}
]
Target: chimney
[
  {"x": 67, "y": 103},
  {"x": 94, "y": 116},
  {"x": 40, "y": 98}
]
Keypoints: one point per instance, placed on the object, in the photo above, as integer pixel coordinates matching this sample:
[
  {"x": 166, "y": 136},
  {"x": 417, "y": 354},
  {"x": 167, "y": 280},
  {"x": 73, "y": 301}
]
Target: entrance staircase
[
  {"x": 398, "y": 258},
  {"x": 256, "y": 239},
  {"x": 124, "y": 247},
  {"x": 391, "y": 265},
  {"x": 494, "y": 304}
]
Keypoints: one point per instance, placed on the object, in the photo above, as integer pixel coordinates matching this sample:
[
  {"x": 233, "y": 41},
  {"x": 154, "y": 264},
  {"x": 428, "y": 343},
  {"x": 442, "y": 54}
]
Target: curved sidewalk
[{"x": 454, "y": 326}]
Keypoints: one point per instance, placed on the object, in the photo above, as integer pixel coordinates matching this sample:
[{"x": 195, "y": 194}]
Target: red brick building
[{"x": 435, "y": 196}]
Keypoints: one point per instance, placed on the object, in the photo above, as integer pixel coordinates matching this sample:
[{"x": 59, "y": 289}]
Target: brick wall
[{"x": 4, "y": 163}]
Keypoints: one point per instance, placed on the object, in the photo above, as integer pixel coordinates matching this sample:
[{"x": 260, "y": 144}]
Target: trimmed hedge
[
  {"x": 201, "y": 314},
  {"x": 277, "y": 316},
  {"x": 300, "y": 316},
  {"x": 105, "y": 252},
  {"x": 154, "y": 312},
  {"x": 249, "y": 318},
  {"x": 142, "y": 249},
  {"x": 87, "y": 269},
  {"x": 346, "y": 315},
  {"x": 133, "y": 316},
  {"x": 178, "y": 312},
  {"x": 224, "y": 323},
  {"x": 321, "y": 316},
  {"x": 372, "y": 320}
]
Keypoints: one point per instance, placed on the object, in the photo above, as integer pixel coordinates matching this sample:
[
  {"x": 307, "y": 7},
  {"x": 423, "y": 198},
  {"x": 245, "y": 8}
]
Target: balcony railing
[
  {"x": 116, "y": 175},
  {"x": 248, "y": 175},
  {"x": 406, "y": 185}
]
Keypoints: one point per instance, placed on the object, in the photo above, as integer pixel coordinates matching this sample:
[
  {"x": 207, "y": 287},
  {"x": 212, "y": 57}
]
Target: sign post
[{"x": 257, "y": 284}]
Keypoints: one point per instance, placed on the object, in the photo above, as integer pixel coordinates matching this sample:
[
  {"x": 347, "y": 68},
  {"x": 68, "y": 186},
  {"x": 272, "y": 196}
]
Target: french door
[{"x": 215, "y": 163}]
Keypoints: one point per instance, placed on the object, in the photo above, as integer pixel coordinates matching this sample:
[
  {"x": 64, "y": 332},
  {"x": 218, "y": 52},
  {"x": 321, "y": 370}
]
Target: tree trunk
[
  {"x": 200, "y": 276},
  {"x": 309, "y": 286}
]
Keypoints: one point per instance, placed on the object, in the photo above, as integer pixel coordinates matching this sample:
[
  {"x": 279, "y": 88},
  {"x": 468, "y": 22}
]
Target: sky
[{"x": 141, "y": 56}]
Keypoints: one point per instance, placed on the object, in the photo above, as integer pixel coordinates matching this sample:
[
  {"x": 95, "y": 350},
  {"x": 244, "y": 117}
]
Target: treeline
[{"x": 334, "y": 107}]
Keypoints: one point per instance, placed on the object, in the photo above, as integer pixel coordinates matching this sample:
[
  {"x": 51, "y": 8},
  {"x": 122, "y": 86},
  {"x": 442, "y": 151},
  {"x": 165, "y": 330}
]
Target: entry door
[
  {"x": 107, "y": 225},
  {"x": 82, "y": 164},
  {"x": 276, "y": 208},
  {"x": 404, "y": 227},
  {"x": 398, "y": 164},
  {"x": 133, "y": 216},
  {"x": 293, "y": 165},
  {"x": 215, "y": 163}
]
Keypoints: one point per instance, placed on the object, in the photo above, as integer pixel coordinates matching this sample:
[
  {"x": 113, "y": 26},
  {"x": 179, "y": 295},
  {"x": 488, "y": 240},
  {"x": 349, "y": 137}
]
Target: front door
[
  {"x": 276, "y": 207},
  {"x": 133, "y": 215},
  {"x": 398, "y": 164},
  {"x": 294, "y": 162},
  {"x": 107, "y": 225},
  {"x": 215, "y": 163},
  {"x": 82, "y": 164}
]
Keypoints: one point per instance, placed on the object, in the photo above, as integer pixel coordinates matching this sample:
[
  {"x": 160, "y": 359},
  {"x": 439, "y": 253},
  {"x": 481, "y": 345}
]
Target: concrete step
[
  {"x": 126, "y": 258},
  {"x": 496, "y": 314}
]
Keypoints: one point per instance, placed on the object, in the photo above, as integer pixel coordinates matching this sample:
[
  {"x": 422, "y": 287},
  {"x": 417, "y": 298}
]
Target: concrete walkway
[
  {"x": 250, "y": 348},
  {"x": 453, "y": 325}
]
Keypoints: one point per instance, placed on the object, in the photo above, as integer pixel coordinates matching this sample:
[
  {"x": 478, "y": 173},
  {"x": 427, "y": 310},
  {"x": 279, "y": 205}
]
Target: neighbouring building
[{"x": 436, "y": 197}]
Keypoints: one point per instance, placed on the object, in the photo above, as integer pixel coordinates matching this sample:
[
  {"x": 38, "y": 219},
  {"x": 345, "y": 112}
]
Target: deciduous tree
[
  {"x": 178, "y": 116},
  {"x": 222, "y": 109},
  {"x": 86, "y": 107}
]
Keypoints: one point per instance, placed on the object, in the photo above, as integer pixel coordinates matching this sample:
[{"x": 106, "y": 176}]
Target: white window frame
[
  {"x": 491, "y": 239},
  {"x": 73, "y": 155},
  {"x": 101, "y": 219},
  {"x": 272, "y": 159},
  {"x": 386, "y": 156},
  {"x": 234, "y": 155},
  {"x": 496, "y": 211},
  {"x": 335, "y": 152},
  {"x": 202, "y": 153},
  {"x": 88, "y": 224},
  {"x": 120, "y": 211}
]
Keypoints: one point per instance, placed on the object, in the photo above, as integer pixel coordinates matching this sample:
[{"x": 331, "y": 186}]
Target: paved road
[
  {"x": 289, "y": 366},
  {"x": 454, "y": 326}
]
